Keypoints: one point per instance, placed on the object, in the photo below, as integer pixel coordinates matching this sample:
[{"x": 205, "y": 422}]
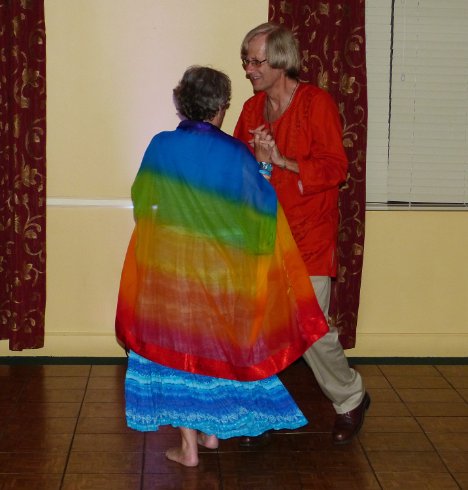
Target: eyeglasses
[{"x": 255, "y": 63}]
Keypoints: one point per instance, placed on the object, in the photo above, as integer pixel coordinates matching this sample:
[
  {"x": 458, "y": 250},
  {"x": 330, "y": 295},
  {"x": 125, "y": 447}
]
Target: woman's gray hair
[
  {"x": 282, "y": 48},
  {"x": 202, "y": 92}
]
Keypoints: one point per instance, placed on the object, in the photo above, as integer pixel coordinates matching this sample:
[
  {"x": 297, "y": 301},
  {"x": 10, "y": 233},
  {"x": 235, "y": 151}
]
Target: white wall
[
  {"x": 112, "y": 65},
  {"x": 111, "y": 68}
]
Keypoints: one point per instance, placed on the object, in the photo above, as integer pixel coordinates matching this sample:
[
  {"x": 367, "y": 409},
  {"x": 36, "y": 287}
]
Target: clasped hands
[{"x": 265, "y": 146}]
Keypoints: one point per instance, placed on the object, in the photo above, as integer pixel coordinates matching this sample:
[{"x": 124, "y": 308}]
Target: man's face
[{"x": 263, "y": 76}]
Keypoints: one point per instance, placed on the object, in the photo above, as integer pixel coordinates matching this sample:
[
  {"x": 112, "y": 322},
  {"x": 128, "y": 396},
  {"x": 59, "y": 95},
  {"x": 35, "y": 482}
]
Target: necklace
[{"x": 282, "y": 111}]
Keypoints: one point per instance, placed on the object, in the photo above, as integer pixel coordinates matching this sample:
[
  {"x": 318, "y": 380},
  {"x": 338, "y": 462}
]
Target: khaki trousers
[{"x": 341, "y": 384}]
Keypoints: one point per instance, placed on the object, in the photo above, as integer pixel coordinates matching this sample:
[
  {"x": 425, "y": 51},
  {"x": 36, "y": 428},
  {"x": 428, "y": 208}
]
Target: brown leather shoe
[
  {"x": 348, "y": 424},
  {"x": 255, "y": 441}
]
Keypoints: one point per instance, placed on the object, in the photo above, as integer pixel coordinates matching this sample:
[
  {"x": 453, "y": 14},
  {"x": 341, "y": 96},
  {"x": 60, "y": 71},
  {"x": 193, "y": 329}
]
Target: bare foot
[
  {"x": 210, "y": 442},
  {"x": 179, "y": 456}
]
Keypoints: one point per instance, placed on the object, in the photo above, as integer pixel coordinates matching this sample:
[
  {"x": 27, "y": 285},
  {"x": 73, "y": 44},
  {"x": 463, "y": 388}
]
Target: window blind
[
  {"x": 427, "y": 95},
  {"x": 378, "y": 43}
]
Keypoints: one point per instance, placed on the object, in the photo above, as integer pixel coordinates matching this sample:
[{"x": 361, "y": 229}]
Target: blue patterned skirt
[{"x": 156, "y": 395}]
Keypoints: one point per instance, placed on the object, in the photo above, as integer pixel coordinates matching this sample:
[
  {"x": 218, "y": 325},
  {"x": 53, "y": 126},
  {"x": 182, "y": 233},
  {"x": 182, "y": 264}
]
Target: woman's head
[
  {"x": 281, "y": 47},
  {"x": 202, "y": 93}
]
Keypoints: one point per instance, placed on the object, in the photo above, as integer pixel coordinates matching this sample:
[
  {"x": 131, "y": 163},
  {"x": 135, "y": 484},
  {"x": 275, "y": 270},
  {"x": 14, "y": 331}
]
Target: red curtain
[
  {"x": 22, "y": 173},
  {"x": 332, "y": 43}
]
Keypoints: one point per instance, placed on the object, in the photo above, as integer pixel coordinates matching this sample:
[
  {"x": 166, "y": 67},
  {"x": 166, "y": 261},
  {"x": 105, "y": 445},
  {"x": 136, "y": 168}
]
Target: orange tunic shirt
[{"x": 310, "y": 132}]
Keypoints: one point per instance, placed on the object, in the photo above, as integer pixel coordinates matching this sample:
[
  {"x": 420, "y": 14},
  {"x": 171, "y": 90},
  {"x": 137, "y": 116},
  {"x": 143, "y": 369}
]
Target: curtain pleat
[
  {"x": 22, "y": 173},
  {"x": 332, "y": 44}
]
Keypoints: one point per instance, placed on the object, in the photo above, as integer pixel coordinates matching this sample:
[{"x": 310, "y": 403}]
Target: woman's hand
[
  {"x": 266, "y": 150},
  {"x": 263, "y": 143},
  {"x": 263, "y": 147},
  {"x": 260, "y": 130}
]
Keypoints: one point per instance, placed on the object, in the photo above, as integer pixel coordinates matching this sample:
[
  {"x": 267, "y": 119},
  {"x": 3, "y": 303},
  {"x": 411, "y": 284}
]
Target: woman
[{"x": 214, "y": 299}]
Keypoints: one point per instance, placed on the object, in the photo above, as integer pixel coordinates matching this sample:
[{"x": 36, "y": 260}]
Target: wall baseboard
[
  {"x": 46, "y": 360},
  {"x": 123, "y": 360},
  {"x": 413, "y": 361}
]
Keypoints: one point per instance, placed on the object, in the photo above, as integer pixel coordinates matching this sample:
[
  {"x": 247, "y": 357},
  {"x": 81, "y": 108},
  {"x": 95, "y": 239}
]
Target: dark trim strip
[
  {"x": 123, "y": 360},
  {"x": 413, "y": 361},
  {"x": 62, "y": 360}
]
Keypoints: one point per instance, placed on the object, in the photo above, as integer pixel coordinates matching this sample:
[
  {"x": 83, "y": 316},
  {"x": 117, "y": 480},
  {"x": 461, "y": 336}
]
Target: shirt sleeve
[
  {"x": 320, "y": 155},
  {"x": 241, "y": 131},
  {"x": 250, "y": 118}
]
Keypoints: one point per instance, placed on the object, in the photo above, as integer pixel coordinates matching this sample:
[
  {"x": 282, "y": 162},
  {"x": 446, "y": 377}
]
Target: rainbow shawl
[{"x": 212, "y": 282}]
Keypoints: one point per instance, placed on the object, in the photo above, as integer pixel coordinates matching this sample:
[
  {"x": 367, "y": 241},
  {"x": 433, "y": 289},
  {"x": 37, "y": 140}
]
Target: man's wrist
[{"x": 282, "y": 163}]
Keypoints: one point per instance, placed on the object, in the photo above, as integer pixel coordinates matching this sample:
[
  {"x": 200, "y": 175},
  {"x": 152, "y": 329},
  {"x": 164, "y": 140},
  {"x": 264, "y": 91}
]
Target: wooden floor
[{"x": 63, "y": 427}]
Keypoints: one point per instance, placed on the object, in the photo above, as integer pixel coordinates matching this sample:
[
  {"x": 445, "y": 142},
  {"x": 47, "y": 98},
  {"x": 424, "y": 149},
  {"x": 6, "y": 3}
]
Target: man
[{"x": 300, "y": 124}]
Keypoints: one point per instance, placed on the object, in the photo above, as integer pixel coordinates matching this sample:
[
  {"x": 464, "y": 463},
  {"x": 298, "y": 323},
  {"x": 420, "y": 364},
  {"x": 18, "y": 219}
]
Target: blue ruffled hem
[{"x": 158, "y": 396}]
